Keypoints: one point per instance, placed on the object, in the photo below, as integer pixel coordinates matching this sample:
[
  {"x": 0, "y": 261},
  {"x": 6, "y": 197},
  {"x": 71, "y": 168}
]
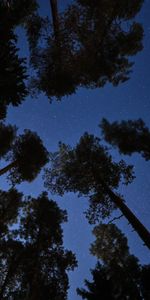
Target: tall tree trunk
[
  {"x": 141, "y": 230},
  {"x": 54, "y": 10},
  {"x": 133, "y": 220},
  {"x": 8, "y": 168}
]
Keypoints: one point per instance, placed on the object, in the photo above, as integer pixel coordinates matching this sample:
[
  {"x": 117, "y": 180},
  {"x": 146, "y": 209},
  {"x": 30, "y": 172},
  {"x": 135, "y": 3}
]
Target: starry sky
[{"x": 66, "y": 121}]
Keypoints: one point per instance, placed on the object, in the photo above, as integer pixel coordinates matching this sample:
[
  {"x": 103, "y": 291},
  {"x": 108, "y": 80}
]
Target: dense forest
[{"x": 77, "y": 45}]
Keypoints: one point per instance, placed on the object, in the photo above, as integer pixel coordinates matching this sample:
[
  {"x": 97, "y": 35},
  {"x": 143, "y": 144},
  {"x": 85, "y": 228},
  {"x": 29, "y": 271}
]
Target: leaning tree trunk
[
  {"x": 141, "y": 230},
  {"x": 8, "y": 168},
  {"x": 133, "y": 220}
]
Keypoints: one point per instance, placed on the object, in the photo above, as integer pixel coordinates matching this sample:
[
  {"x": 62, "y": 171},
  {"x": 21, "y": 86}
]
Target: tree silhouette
[
  {"x": 35, "y": 264},
  {"x": 110, "y": 245},
  {"x": 7, "y": 136},
  {"x": 12, "y": 73},
  {"x": 60, "y": 52},
  {"x": 87, "y": 30},
  {"x": 119, "y": 275},
  {"x": 111, "y": 283},
  {"x": 89, "y": 170},
  {"x": 10, "y": 203},
  {"x": 26, "y": 153},
  {"x": 129, "y": 136}
]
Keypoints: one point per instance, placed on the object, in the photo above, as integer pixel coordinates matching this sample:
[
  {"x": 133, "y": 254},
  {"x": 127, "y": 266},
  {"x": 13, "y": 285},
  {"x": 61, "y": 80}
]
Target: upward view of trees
[
  {"x": 118, "y": 274},
  {"x": 85, "y": 29},
  {"x": 89, "y": 170},
  {"x": 86, "y": 44},
  {"x": 34, "y": 263}
]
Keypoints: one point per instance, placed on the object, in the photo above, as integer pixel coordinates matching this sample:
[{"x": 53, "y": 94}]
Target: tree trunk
[
  {"x": 133, "y": 220},
  {"x": 54, "y": 11},
  {"x": 8, "y": 168}
]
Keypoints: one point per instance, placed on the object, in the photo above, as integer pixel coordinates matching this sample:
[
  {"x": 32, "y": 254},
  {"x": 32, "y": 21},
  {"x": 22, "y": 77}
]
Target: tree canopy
[
  {"x": 61, "y": 63},
  {"x": 128, "y": 136},
  {"x": 88, "y": 44},
  {"x": 26, "y": 153},
  {"x": 86, "y": 169},
  {"x": 118, "y": 274},
  {"x": 36, "y": 265},
  {"x": 97, "y": 30},
  {"x": 90, "y": 170}
]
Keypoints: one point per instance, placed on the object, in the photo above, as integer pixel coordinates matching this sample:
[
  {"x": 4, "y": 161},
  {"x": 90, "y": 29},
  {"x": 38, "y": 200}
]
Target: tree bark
[
  {"x": 141, "y": 230},
  {"x": 8, "y": 168},
  {"x": 133, "y": 220}
]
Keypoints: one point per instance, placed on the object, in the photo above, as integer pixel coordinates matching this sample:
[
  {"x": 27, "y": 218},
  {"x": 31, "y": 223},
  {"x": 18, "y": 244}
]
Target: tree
[
  {"x": 89, "y": 170},
  {"x": 7, "y": 136},
  {"x": 10, "y": 203},
  {"x": 35, "y": 264},
  {"x": 61, "y": 49},
  {"x": 116, "y": 283},
  {"x": 128, "y": 136},
  {"x": 118, "y": 275},
  {"x": 110, "y": 245},
  {"x": 26, "y": 153},
  {"x": 13, "y": 71},
  {"x": 87, "y": 29}
]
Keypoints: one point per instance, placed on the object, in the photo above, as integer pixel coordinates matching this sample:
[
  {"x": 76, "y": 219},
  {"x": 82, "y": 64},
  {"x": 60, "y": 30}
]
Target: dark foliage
[
  {"x": 89, "y": 170},
  {"x": 12, "y": 73},
  {"x": 17, "y": 12},
  {"x": 86, "y": 169},
  {"x": 35, "y": 264},
  {"x": 26, "y": 153},
  {"x": 116, "y": 284},
  {"x": 119, "y": 275},
  {"x": 129, "y": 136},
  {"x": 7, "y": 136},
  {"x": 10, "y": 203},
  {"x": 92, "y": 47},
  {"x": 110, "y": 245},
  {"x": 30, "y": 156}
]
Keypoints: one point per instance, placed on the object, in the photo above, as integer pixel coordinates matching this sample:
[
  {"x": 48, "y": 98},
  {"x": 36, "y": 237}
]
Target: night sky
[{"x": 66, "y": 121}]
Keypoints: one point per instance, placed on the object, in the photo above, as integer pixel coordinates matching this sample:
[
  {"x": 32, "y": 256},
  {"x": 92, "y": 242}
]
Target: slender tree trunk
[
  {"x": 54, "y": 10},
  {"x": 141, "y": 230},
  {"x": 8, "y": 168},
  {"x": 133, "y": 220},
  {"x": 34, "y": 288}
]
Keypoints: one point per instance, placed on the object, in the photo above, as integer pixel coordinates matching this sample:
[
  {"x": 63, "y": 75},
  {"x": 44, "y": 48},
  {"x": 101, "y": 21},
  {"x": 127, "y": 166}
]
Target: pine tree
[
  {"x": 128, "y": 136},
  {"x": 90, "y": 170},
  {"x": 118, "y": 274},
  {"x": 36, "y": 265},
  {"x": 26, "y": 153}
]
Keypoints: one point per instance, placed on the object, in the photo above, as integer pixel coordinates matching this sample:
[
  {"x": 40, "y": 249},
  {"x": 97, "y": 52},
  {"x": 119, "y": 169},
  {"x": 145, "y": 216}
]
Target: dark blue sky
[{"x": 67, "y": 121}]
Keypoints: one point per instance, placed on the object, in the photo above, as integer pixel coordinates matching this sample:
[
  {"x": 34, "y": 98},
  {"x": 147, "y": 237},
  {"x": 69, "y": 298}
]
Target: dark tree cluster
[
  {"x": 26, "y": 153},
  {"x": 89, "y": 169},
  {"x": 87, "y": 45},
  {"x": 60, "y": 50},
  {"x": 13, "y": 69},
  {"x": 128, "y": 136},
  {"x": 118, "y": 275},
  {"x": 88, "y": 29},
  {"x": 33, "y": 261}
]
